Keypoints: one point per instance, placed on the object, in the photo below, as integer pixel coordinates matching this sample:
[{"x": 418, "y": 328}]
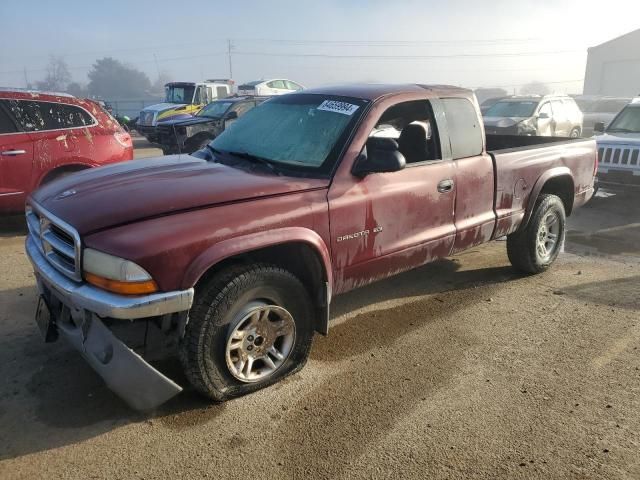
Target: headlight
[{"x": 116, "y": 274}]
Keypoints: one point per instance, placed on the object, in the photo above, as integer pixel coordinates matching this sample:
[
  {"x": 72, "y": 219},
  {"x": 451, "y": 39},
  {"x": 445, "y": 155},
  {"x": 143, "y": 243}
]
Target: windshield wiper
[{"x": 256, "y": 159}]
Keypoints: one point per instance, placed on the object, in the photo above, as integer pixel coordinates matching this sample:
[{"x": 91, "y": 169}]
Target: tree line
[{"x": 108, "y": 78}]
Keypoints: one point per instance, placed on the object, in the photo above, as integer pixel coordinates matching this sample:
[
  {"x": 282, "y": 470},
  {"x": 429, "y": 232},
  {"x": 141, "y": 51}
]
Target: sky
[{"x": 461, "y": 42}]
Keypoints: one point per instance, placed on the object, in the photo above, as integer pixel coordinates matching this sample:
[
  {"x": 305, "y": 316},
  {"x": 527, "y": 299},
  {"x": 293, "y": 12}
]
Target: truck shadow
[
  {"x": 53, "y": 398},
  {"x": 12, "y": 225},
  {"x": 384, "y": 388}
]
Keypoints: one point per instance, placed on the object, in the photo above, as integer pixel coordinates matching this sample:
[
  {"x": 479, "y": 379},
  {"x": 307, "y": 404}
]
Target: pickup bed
[{"x": 231, "y": 256}]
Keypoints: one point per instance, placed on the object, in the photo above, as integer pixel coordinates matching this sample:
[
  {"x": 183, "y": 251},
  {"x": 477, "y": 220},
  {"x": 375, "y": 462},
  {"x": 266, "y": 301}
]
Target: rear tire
[
  {"x": 238, "y": 314},
  {"x": 535, "y": 247}
]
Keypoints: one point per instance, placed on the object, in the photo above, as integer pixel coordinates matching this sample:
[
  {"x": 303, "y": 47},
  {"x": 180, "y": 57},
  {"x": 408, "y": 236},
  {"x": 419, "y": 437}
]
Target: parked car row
[
  {"x": 44, "y": 137},
  {"x": 185, "y": 99}
]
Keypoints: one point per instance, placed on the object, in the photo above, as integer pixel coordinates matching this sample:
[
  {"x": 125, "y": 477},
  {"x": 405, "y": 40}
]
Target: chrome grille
[
  {"x": 620, "y": 158},
  {"x": 57, "y": 240}
]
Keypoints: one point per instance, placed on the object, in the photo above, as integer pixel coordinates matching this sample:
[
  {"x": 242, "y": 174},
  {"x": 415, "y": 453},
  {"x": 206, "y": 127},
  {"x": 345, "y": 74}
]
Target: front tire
[
  {"x": 534, "y": 248},
  {"x": 250, "y": 327},
  {"x": 575, "y": 133}
]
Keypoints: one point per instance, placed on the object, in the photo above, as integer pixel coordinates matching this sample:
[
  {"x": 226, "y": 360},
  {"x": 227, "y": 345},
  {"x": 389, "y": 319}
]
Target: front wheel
[
  {"x": 575, "y": 133},
  {"x": 249, "y": 327},
  {"x": 534, "y": 248}
]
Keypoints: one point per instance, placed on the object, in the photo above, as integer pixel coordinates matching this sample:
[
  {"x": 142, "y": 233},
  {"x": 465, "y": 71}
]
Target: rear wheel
[
  {"x": 250, "y": 327},
  {"x": 534, "y": 248}
]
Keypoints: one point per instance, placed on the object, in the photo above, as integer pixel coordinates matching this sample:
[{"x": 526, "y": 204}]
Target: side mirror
[
  {"x": 379, "y": 156},
  {"x": 543, "y": 116},
  {"x": 231, "y": 115},
  {"x": 598, "y": 127}
]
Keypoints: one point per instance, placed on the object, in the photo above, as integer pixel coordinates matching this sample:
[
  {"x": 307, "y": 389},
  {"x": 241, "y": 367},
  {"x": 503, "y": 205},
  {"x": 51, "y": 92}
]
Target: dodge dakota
[{"x": 230, "y": 257}]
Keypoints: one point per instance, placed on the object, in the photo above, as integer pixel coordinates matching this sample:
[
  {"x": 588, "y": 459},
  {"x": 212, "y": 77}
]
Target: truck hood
[
  {"x": 100, "y": 198},
  {"x": 503, "y": 122},
  {"x": 632, "y": 139},
  {"x": 161, "y": 107},
  {"x": 190, "y": 120}
]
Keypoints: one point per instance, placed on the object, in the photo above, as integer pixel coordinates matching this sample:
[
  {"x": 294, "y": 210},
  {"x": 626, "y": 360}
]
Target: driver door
[
  {"x": 546, "y": 126},
  {"x": 385, "y": 223}
]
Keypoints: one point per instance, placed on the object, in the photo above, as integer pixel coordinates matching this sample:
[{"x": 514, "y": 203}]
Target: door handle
[
  {"x": 445, "y": 186},
  {"x": 13, "y": 153}
]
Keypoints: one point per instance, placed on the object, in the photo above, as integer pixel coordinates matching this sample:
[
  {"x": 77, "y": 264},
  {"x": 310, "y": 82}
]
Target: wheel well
[
  {"x": 64, "y": 170},
  {"x": 562, "y": 187},
  {"x": 296, "y": 257}
]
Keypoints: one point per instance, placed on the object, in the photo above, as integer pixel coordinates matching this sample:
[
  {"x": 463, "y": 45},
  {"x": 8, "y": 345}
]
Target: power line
[{"x": 408, "y": 57}]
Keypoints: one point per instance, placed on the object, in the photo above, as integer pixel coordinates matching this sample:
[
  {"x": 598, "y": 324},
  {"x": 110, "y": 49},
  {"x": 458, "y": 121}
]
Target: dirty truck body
[{"x": 235, "y": 258}]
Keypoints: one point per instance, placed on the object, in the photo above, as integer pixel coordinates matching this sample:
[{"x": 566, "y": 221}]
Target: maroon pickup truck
[{"x": 230, "y": 257}]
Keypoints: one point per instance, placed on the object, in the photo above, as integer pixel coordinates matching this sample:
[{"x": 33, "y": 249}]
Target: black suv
[{"x": 187, "y": 136}]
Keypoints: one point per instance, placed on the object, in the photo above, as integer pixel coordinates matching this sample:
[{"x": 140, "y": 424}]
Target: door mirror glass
[
  {"x": 380, "y": 155},
  {"x": 543, "y": 116},
  {"x": 598, "y": 127},
  {"x": 232, "y": 115}
]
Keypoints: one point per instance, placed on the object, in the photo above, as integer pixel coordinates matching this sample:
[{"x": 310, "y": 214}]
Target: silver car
[{"x": 546, "y": 116}]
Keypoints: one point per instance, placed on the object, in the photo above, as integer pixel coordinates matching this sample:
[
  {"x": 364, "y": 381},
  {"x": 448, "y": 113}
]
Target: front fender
[{"x": 255, "y": 241}]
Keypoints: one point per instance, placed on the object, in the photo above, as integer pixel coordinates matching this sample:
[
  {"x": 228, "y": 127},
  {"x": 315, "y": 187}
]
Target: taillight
[
  {"x": 595, "y": 166},
  {"x": 124, "y": 139}
]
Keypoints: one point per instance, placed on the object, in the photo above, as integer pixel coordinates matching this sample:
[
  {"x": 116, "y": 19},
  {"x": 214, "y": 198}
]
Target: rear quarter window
[{"x": 463, "y": 123}]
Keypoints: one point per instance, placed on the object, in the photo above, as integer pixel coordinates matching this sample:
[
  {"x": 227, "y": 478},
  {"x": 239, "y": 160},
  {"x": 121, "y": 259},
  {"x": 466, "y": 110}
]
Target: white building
[{"x": 613, "y": 68}]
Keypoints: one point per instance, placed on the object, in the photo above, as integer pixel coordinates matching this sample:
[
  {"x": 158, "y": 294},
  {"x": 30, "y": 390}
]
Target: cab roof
[{"x": 374, "y": 91}]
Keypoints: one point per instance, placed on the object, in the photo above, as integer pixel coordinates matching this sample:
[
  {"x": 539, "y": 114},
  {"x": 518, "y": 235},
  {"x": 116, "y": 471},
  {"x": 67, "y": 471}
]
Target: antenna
[{"x": 229, "y": 48}]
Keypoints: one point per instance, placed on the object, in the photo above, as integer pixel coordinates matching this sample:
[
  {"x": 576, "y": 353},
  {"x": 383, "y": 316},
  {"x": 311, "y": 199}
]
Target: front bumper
[
  {"x": 101, "y": 302},
  {"x": 76, "y": 309}
]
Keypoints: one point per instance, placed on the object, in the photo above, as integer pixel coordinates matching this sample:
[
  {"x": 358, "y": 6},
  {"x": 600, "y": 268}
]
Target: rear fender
[{"x": 539, "y": 185}]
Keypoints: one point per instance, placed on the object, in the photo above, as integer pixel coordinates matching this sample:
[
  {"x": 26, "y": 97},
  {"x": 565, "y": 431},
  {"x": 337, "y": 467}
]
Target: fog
[{"x": 462, "y": 42}]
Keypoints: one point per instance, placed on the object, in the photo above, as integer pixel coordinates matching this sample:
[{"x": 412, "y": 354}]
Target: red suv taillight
[{"x": 123, "y": 139}]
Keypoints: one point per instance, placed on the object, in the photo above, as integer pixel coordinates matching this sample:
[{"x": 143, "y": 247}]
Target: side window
[
  {"x": 243, "y": 107},
  {"x": 60, "y": 115},
  {"x": 293, "y": 86},
  {"x": 546, "y": 108},
  {"x": 412, "y": 126},
  {"x": 465, "y": 133},
  {"x": 277, "y": 84},
  {"x": 222, "y": 92},
  {"x": 558, "y": 110},
  {"x": 28, "y": 114},
  {"x": 6, "y": 124},
  {"x": 39, "y": 116}
]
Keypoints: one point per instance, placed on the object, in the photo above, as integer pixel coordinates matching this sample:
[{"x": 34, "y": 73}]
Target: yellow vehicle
[{"x": 182, "y": 100}]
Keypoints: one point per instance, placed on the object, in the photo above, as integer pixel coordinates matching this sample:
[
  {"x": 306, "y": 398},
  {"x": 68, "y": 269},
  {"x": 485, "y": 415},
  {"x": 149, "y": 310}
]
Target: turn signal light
[{"x": 123, "y": 288}]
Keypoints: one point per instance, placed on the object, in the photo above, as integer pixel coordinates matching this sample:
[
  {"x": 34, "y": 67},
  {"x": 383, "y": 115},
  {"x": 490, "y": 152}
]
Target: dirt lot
[{"x": 461, "y": 369}]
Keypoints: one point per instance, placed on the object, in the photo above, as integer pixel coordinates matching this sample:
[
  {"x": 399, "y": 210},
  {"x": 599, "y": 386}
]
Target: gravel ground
[{"x": 460, "y": 369}]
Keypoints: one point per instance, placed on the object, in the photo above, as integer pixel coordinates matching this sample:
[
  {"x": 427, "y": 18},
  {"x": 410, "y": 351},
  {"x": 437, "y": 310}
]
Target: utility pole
[
  {"x": 229, "y": 48},
  {"x": 155, "y": 58},
  {"x": 26, "y": 79}
]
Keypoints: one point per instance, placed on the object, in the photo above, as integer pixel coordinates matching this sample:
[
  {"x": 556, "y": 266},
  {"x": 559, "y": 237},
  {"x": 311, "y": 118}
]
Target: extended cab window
[
  {"x": 302, "y": 131},
  {"x": 411, "y": 124},
  {"x": 465, "y": 134}
]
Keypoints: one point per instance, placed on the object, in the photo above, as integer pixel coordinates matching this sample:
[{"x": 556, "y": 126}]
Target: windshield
[
  {"x": 179, "y": 94},
  {"x": 304, "y": 131},
  {"x": 214, "y": 109},
  {"x": 627, "y": 121},
  {"x": 512, "y": 109}
]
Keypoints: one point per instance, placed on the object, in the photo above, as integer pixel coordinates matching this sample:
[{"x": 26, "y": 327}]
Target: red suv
[{"x": 44, "y": 136}]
